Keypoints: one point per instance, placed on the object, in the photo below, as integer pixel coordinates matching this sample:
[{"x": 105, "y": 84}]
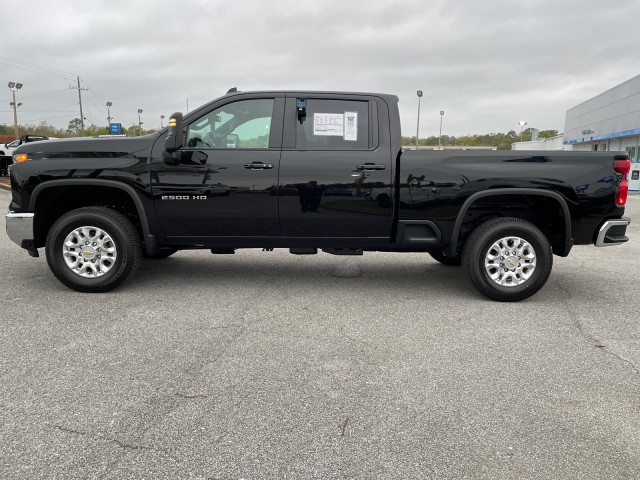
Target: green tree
[
  {"x": 547, "y": 133},
  {"x": 75, "y": 127}
]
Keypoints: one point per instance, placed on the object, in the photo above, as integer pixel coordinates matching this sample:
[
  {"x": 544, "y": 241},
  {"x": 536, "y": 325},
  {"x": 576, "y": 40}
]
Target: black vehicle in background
[{"x": 299, "y": 170}]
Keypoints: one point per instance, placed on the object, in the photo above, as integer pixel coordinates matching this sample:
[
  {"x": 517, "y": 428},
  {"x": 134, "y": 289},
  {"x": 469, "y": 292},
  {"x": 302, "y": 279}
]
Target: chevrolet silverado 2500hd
[{"x": 308, "y": 171}]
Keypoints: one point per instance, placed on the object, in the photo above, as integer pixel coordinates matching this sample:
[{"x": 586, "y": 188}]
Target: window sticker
[
  {"x": 328, "y": 124},
  {"x": 351, "y": 126}
]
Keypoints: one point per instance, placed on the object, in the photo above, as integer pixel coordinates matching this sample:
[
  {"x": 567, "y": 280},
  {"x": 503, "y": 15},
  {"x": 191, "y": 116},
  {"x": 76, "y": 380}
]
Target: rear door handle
[
  {"x": 371, "y": 166},
  {"x": 258, "y": 166}
]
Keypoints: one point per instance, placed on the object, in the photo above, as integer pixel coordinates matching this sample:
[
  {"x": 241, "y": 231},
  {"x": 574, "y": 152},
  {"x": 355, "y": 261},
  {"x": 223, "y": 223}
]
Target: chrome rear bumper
[{"x": 612, "y": 232}]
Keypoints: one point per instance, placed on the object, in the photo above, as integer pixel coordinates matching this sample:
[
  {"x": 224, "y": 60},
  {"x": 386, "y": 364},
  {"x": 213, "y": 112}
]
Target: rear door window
[{"x": 334, "y": 125}]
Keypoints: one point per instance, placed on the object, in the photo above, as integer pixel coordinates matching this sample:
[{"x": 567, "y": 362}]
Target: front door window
[{"x": 245, "y": 124}]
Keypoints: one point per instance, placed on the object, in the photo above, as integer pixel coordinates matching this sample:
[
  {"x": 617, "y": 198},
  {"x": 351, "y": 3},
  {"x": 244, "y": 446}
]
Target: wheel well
[
  {"x": 546, "y": 213},
  {"x": 54, "y": 202}
]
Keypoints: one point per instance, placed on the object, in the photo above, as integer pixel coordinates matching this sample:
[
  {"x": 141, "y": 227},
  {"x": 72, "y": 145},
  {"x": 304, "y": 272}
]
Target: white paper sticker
[
  {"x": 328, "y": 124},
  {"x": 351, "y": 126}
]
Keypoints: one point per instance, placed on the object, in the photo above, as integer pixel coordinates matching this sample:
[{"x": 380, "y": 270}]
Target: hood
[{"x": 87, "y": 146}]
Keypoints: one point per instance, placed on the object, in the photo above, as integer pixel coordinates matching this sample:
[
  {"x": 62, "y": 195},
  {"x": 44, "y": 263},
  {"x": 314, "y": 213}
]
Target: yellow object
[{"x": 22, "y": 157}]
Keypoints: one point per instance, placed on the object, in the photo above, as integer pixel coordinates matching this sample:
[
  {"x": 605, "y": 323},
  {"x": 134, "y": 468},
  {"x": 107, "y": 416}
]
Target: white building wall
[
  {"x": 552, "y": 143},
  {"x": 608, "y": 121}
]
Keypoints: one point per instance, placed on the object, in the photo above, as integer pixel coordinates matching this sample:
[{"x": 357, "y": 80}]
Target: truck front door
[
  {"x": 335, "y": 152},
  {"x": 224, "y": 184}
]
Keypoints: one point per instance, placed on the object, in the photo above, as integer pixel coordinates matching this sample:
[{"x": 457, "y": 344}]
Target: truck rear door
[{"x": 336, "y": 150}]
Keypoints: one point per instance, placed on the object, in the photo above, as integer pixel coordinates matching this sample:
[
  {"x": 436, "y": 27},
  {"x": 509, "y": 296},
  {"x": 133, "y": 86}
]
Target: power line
[
  {"x": 34, "y": 67},
  {"x": 44, "y": 94},
  {"x": 48, "y": 118}
]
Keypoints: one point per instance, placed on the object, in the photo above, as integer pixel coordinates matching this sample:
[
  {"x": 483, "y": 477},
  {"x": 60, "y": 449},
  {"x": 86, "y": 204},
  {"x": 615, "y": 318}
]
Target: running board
[{"x": 343, "y": 251}]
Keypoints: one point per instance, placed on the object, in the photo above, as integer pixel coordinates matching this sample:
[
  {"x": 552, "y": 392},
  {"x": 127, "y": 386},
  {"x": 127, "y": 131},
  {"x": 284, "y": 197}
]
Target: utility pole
[
  {"x": 440, "y": 136},
  {"x": 522, "y": 124},
  {"x": 14, "y": 87},
  {"x": 418, "y": 122},
  {"x": 79, "y": 88},
  {"x": 139, "y": 122},
  {"x": 109, "y": 104}
]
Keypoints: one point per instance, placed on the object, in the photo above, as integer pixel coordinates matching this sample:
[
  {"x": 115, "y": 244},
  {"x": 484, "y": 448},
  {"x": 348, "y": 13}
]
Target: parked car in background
[{"x": 8, "y": 148}]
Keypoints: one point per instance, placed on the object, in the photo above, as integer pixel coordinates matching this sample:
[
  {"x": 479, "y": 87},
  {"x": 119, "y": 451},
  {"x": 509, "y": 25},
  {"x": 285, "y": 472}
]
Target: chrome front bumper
[
  {"x": 19, "y": 227},
  {"x": 612, "y": 232}
]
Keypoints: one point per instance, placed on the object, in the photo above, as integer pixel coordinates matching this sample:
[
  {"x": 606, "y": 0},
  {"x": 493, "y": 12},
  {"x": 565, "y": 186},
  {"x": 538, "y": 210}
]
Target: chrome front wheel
[
  {"x": 93, "y": 249},
  {"x": 89, "y": 251}
]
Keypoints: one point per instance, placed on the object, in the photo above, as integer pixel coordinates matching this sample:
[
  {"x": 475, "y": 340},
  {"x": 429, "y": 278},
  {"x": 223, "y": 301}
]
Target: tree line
[
  {"x": 74, "y": 129},
  {"x": 502, "y": 141}
]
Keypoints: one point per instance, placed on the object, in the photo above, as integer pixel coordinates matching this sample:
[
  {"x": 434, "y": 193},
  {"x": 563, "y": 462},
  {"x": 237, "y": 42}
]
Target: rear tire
[
  {"x": 93, "y": 249},
  {"x": 507, "y": 259}
]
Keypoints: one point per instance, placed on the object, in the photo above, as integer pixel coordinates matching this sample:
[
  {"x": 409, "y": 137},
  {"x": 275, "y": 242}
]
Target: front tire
[
  {"x": 93, "y": 249},
  {"x": 507, "y": 259}
]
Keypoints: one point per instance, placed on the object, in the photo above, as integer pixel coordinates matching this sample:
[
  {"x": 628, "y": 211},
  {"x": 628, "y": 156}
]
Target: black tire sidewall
[
  {"x": 542, "y": 250},
  {"x": 66, "y": 225}
]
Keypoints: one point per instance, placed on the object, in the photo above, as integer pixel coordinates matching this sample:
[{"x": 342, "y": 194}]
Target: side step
[
  {"x": 223, "y": 251},
  {"x": 343, "y": 251},
  {"x": 303, "y": 251}
]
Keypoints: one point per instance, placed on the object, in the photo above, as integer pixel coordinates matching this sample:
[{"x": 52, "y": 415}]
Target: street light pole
[
  {"x": 109, "y": 114},
  {"x": 139, "y": 122},
  {"x": 14, "y": 87},
  {"x": 440, "y": 136},
  {"x": 161, "y": 119},
  {"x": 522, "y": 124},
  {"x": 419, "y": 93}
]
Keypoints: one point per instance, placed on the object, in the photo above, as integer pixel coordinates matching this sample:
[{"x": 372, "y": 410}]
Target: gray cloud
[{"x": 487, "y": 64}]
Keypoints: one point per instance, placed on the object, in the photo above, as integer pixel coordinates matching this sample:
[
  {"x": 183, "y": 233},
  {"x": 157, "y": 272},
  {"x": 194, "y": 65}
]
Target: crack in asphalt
[
  {"x": 593, "y": 341},
  {"x": 94, "y": 436}
]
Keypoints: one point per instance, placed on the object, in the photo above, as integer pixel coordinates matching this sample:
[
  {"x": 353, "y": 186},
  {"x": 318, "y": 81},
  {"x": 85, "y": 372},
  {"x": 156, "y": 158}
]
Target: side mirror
[
  {"x": 232, "y": 141},
  {"x": 175, "y": 139}
]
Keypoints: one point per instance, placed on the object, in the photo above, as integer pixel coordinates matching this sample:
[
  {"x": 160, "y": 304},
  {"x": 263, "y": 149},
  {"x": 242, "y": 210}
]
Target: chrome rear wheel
[{"x": 510, "y": 261}]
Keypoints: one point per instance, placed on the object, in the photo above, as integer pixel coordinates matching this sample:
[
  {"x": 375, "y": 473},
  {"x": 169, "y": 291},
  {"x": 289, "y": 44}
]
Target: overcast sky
[{"x": 486, "y": 64}]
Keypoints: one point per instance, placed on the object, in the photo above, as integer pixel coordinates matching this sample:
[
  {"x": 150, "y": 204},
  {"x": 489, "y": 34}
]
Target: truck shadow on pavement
[{"x": 419, "y": 275}]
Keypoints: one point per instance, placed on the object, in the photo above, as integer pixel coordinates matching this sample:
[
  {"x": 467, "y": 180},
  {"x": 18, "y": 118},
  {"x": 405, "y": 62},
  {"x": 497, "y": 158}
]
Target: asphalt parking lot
[{"x": 270, "y": 365}]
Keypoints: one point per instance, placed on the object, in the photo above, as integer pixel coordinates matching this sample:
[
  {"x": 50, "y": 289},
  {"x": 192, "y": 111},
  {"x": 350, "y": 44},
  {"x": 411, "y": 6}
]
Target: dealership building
[{"x": 608, "y": 121}]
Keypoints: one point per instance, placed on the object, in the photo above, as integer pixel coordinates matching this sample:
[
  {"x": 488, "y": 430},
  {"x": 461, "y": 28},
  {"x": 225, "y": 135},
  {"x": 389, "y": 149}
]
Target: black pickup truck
[{"x": 308, "y": 171}]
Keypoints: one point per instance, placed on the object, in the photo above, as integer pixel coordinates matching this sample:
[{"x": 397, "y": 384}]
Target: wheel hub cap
[
  {"x": 510, "y": 261},
  {"x": 89, "y": 252}
]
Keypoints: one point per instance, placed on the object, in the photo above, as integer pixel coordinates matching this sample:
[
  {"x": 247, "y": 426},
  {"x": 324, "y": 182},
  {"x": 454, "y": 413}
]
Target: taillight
[{"x": 622, "y": 166}]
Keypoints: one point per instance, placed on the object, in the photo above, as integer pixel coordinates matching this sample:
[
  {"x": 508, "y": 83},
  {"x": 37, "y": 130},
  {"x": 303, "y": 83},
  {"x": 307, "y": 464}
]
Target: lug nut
[
  {"x": 99, "y": 256},
  {"x": 94, "y": 244},
  {"x": 86, "y": 243},
  {"x": 93, "y": 261}
]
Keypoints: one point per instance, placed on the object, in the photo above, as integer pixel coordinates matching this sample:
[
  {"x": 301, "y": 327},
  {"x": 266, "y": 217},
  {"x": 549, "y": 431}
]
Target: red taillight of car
[{"x": 622, "y": 166}]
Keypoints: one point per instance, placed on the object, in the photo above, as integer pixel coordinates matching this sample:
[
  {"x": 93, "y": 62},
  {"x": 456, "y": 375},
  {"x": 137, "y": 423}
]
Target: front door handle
[
  {"x": 371, "y": 166},
  {"x": 258, "y": 166}
]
